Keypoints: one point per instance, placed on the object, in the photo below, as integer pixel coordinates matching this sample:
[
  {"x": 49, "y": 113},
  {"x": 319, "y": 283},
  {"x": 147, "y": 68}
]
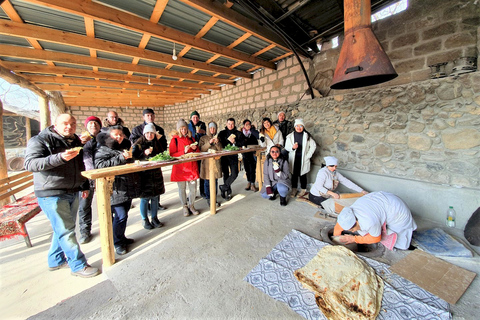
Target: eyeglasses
[{"x": 273, "y": 151}]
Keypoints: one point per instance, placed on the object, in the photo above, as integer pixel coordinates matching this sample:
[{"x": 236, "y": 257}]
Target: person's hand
[
  {"x": 346, "y": 239},
  {"x": 85, "y": 138},
  {"x": 334, "y": 195},
  {"x": 186, "y": 149},
  {"x": 364, "y": 192},
  {"x": 262, "y": 139},
  {"x": 276, "y": 166},
  {"x": 158, "y": 135},
  {"x": 148, "y": 151},
  {"x": 69, "y": 154},
  {"x": 127, "y": 154},
  {"x": 85, "y": 194},
  {"x": 232, "y": 140},
  {"x": 201, "y": 131},
  {"x": 212, "y": 141},
  {"x": 295, "y": 146}
]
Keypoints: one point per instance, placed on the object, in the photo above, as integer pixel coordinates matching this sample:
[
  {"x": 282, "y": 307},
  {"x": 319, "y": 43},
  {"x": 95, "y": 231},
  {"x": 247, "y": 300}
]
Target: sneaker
[
  {"x": 60, "y": 266},
  {"x": 147, "y": 225},
  {"x": 156, "y": 223},
  {"x": 223, "y": 191},
  {"x": 86, "y": 272},
  {"x": 128, "y": 241},
  {"x": 121, "y": 250},
  {"x": 193, "y": 210},
  {"x": 160, "y": 207},
  {"x": 85, "y": 238},
  {"x": 272, "y": 197}
]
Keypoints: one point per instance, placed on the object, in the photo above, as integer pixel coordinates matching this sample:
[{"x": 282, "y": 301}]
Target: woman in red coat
[{"x": 185, "y": 174}]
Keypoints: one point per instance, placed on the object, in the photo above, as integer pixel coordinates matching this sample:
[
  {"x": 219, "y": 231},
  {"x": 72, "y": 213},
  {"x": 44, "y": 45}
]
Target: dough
[{"x": 345, "y": 286}]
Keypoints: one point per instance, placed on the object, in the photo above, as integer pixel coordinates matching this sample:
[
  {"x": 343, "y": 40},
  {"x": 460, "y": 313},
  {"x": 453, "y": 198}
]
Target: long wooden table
[{"x": 104, "y": 183}]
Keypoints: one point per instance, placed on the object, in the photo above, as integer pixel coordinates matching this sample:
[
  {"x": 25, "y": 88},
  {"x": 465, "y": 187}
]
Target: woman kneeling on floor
[{"x": 276, "y": 176}]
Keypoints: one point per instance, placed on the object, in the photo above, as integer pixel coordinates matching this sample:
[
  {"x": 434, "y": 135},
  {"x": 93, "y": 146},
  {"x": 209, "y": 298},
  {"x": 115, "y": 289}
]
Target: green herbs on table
[
  {"x": 164, "y": 156},
  {"x": 229, "y": 147}
]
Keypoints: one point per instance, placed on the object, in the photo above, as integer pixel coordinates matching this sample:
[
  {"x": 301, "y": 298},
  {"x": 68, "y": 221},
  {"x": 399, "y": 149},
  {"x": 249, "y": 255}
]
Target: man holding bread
[
  {"x": 230, "y": 135},
  {"x": 55, "y": 158}
]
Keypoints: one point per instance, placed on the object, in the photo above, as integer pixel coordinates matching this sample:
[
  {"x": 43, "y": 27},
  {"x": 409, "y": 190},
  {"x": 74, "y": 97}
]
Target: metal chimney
[{"x": 362, "y": 61}]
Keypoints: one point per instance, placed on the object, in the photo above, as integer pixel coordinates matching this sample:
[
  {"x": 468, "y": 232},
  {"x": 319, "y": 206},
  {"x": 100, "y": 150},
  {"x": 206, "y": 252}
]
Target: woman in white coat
[
  {"x": 270, "y": 135},
  {"x": 300, "y": 146}
]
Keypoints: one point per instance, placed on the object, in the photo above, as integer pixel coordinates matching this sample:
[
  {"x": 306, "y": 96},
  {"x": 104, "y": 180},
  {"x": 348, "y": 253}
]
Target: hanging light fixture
[
  {"x": 174, "y": 55},
  {"x": 138, "y": 93},
  {"x": 149, "y": 83}
]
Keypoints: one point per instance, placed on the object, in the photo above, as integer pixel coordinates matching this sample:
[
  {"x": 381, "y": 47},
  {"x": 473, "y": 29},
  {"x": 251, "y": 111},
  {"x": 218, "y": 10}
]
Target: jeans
[
  {"x": 154, "y": 202},
  {"x": 207, "y": 188},
  {"x": 229, "y": 170},
  {"x": 280, "y": 188},
  {"x": 85, "y": 212},
  {"x": 250, "y": 165},
  {"x": 182, "y": 191},
  {"x": 61, "y": 210},
  {"x": 119, "y": 224}
]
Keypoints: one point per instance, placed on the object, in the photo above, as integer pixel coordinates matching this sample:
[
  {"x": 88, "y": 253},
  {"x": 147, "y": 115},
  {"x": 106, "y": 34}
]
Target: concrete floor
[{"x": 193, "y": 268}]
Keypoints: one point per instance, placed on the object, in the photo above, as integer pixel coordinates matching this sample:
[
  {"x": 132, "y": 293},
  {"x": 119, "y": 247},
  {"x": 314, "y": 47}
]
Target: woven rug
[{"x": 273, "y": 275}]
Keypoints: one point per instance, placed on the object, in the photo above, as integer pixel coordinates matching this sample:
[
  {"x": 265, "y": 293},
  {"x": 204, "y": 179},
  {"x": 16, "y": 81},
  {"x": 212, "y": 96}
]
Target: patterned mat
[{"x": 402, "y": 299}]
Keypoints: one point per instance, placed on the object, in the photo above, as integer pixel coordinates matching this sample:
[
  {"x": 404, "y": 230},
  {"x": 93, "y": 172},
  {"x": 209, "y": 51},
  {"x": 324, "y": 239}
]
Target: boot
[
  {"x": 253, "y": 188},
  {"x": 302, "y": 193},
  {"x": 193, "y": 210},
  {"x": 248, "y": 186},
  {"x": 156, "y": 223},
  {"x": 186, "y": 213},
  {"x": 283, "y": 201},
  {"x": 294, "y": 193},
  {"x": 147, "y": 225},
  {"x": 223, "y": 191}
]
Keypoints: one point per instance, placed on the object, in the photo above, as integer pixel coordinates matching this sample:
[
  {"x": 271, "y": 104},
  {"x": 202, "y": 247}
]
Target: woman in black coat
[
  {"x": 152, "y": 184},
  {"x": 113, "y": 150},
  {"x": 250, "y": 137}
]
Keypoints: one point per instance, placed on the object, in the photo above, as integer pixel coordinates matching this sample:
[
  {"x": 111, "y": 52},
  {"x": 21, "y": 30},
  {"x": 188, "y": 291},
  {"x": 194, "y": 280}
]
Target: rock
[
  {"x": 397, "y": 138},
  {"x": 382, "y": 150},
  {"x": 415, "y": 127},
  {"x": 461, "y": 139},
  {"x": 419, "y": 142}
]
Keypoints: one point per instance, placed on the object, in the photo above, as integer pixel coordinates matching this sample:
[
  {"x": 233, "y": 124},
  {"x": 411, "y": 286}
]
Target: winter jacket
[
  {"x": 187, "y": 171},
  {"x": 152, "y": 183},
  {"x": 137, "y": 133},
  {"x": 52, "y": 175},
  {"x": 252, "y": 139},
  {"x": 308, "y": 148},
  {"x": 268, "y": 142},
  {"x": 286, "y": 127},
  {"x": 225, "y": 133},
  {"x": 271, "y": 178},
  {"x": 193, "y": 129},
  {"x": 204, "y": 145},
  {"x": 107, "y": 125},
  {"x": 109, "y": 153}
]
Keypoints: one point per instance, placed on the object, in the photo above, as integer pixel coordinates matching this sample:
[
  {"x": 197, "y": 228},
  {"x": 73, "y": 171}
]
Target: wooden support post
[
  {"x": 104, "y": 190},
  {"x": 28, "y": 129},
  {"x": 44, "y": 112},
  {"x": 213, "y": 187},
  {"x": 259, "y": 169},
  {"x": 3, "y": 158}
]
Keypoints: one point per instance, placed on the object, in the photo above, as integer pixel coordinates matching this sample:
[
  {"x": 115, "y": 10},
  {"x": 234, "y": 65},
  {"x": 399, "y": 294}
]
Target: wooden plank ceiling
[{"x": 119, "y": 53}]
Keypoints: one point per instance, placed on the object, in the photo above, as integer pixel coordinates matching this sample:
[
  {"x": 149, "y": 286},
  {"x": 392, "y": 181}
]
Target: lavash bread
[{"x": 345, "y": 286}]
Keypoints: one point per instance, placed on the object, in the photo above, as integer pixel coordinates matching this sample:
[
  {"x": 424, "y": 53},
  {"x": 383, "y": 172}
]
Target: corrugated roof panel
[
  {"x": 3, "y": 15},
  {"x": 199, "y": 55},
  {"x": 73, "y": 66},
  {"x": 223, "y": 76},
  {"x": 181, "y": 69},
  {"x": 163, "y": 46},
  {"x": 50, "y": 46},
  {"x": 224, "y": 62},
  {"x": 114, "y": 57},
  {"x": 15, "y": 41},
  {"x": 169, "y": 78},
  {"x": 223, "y": 34},
  {"x": 13, "y": 59},
  {"x": 113, "y": 33},
  {"x": 188, "y": 81},
  {"x": 182, "y": 17},
  {"x": 244, "y": 67},
  {"x": 251, "y": 45},
  {"x": 113, "y": 71},
  {"x": 272, "y": 53},
  {"x": 47, "y": 17},
  {"x": 150, "y": 63},
  {"x": 142, "y": 8},
  {"x": 204, "y": 73}
]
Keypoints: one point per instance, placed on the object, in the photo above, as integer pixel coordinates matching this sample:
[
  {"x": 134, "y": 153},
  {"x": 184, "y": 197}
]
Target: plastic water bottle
[{"x": 451, "y": 217}]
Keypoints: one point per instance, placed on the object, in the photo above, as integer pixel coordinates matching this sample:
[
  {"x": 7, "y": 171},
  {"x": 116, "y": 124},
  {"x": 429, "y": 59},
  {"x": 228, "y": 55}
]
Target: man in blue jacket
[{"x": 53, "y": 157}]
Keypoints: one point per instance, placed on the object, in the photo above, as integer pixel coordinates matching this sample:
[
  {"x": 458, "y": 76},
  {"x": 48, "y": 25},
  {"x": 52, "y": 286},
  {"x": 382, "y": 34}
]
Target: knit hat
[
  {"x": 93, "y": 118},
  {"x": 280, "y": 113},
  {"x": 331, "y": 161},
  {"x": 149, "y": 128},
  {"x": 346, "y": 218},
  {"x": 299, "y": 122},
  {"x": 147, "y": 111},
  {"x": 212, "y": 125},
  {"x": 194, "y": 113},
  {"x": 181, "y": 123}
]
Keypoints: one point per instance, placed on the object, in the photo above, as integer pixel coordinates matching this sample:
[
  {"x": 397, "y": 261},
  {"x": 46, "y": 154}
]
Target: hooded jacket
[
  {"x": 204, "y": 146},
  {"x": 137, "y": 133},
  {"x": 109, "y": 153},
  {"x": 52, "y": 175},
  {"x": 187, "y": 171}
]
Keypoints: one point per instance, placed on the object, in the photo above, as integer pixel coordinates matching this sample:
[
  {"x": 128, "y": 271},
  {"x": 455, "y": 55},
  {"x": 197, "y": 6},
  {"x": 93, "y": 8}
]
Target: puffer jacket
[
  {"x": 52, "y": 175},
  {"x": 185, "y": 171},
  {"x": 204, "y": 145},
  {"x": 106, "y": 127},
  {"x": 270, "y": 178},
  {"x": 269, "y": 142},
  {"x": 109, "y": 154},
  {"x": 152, "y": 183},
  {"x": 308, "y": 148}
]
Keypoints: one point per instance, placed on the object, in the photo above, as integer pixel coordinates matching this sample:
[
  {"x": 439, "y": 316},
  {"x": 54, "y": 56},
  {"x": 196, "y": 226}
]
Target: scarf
[
  {"x": 247, "y": 133},
  {"x": 271, "y": 132}
]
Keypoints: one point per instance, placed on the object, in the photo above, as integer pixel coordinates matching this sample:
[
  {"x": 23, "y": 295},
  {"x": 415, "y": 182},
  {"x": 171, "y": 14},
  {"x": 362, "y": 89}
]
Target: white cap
[
  {"x": 299, "y": 122},
  {"x": 331, "y": 161},
  {"x": 346, "y": 218},
  {"x": 149, "y": 128}
]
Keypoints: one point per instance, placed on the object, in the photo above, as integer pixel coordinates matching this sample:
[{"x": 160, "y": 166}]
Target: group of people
[{"x": 53, "y": 157}]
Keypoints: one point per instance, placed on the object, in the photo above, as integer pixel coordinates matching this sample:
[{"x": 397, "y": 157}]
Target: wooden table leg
[
  {"x": 259, "y": 170},
  {"x": 104, "y": 190},
  {"x": 213, "y": 187}
]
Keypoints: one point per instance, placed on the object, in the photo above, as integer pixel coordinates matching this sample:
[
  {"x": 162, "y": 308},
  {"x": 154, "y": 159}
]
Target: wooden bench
[{"x": 15, "y": 214}]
